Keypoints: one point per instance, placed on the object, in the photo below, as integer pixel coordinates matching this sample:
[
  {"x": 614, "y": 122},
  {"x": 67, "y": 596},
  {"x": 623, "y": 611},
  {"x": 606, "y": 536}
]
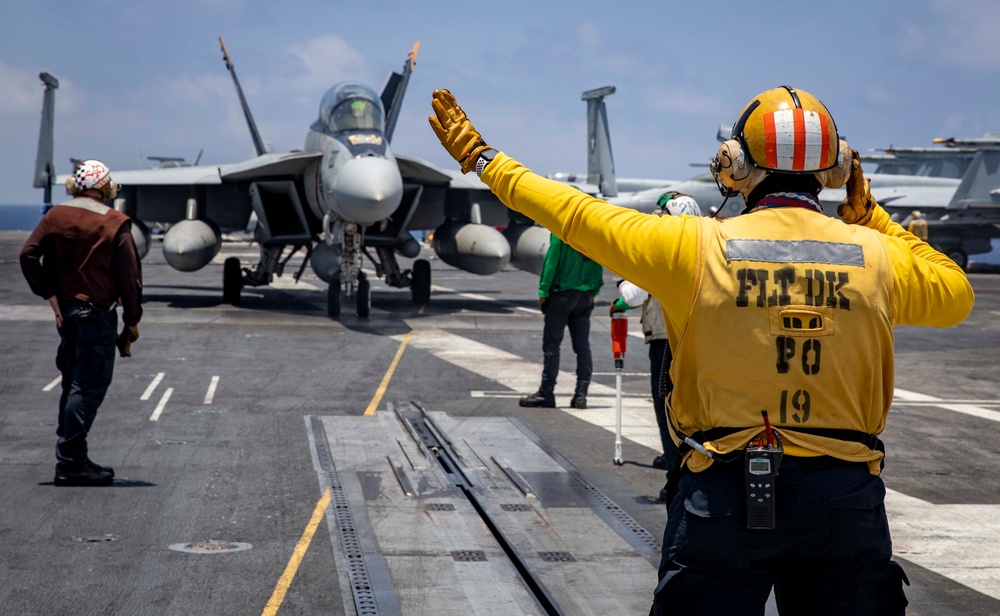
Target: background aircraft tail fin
[
  {"x": 258, "y": 143},
  {"x": 600, "y": 162},
  {"x": 980, "y": 182},
  {"x": 394, "y": 89},
  {"x": 44, "y": 171}
]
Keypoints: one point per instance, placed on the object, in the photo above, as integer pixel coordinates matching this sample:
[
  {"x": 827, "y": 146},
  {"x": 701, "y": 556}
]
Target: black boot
[
  {"x": 539, "y": 399},
  {"x": 98, "y": 467},
  {"x": 82, "y": 475},
  {"x": 579, "y": 401}
]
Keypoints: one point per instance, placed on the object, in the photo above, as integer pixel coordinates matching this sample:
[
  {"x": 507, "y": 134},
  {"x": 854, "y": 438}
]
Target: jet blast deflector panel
[{"x": 474, "y": 515}]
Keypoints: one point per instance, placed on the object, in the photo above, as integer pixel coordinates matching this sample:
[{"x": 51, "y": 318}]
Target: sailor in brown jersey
[{"x": 82, "y": 259}]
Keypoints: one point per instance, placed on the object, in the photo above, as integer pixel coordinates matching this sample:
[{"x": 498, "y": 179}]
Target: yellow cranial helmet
[
  {"x": 787, "y": 130},
  {"x": 782, "y": 130}
]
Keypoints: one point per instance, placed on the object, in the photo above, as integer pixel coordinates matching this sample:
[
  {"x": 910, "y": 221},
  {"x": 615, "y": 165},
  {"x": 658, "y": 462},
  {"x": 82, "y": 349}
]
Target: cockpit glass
[{"x": 351, "y": 106}]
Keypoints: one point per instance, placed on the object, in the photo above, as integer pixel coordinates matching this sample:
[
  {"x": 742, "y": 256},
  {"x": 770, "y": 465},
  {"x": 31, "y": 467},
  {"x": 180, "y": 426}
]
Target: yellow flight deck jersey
[{"x": 784, "y": 309}]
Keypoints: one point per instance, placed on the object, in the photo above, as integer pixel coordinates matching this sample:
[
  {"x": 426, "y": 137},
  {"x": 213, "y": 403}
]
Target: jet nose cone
[{"x": 367, "y": 190}]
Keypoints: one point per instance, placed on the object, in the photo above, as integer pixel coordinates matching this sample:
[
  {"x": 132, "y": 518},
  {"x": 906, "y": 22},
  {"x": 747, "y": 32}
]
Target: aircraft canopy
[{"x": 351, "y": 106}]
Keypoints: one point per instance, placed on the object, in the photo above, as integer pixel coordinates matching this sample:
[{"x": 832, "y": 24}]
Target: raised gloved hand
[
  {"x": 543, "y": 302},
  {"x": 455, "y": 131},
  {"x": 857, "y": 208},
  {"x": 616, "y": 306},
  {"x": 130, "y": 333}
]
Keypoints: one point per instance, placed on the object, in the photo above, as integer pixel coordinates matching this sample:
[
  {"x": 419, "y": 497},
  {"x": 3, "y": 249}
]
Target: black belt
[{"x": 871, "y": 441}]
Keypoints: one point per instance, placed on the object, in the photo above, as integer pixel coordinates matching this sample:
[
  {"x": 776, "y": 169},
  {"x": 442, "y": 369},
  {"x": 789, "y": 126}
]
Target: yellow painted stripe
[
  {"x": 385, "y": 379},
  {"x": 300, "y": 550}
]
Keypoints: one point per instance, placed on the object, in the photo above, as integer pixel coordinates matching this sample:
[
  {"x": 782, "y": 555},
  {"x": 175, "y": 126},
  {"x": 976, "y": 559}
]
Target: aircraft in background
[
  {"x": 638, "y": 194},
  {"x": 957, "y": 187},
  {"x": 342, "y": 198}
]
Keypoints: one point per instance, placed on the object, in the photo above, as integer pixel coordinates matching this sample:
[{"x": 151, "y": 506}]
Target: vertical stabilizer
[
  {"x": 258, "y": 143},
  {"x": 600, "y": 162},
  {"x": 394, "y": 90},
  {"x": 44, "y": 172},
  {"x": 981, "y": 179}
]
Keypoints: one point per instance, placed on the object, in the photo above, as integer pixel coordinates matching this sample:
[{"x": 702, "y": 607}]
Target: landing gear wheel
[
  {"x": 420, "y": 286},
  {"x": 232, "y": 281},
  {"x": 364, "y": 297},
  {"x": 959, "y": 257},
  {"x": 333, "y": 299}
]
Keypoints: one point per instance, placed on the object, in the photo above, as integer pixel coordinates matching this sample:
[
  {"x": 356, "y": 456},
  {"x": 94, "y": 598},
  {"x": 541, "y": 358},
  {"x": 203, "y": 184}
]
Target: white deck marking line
[
  {"x": 485, "y": 298},
  {"x": 152, "y": 387},
  {"x": 950, "y": 540},
  {"x": 163, "y": 402},
  {"x": 522, "y": 377},
  {"x": 210, "y": 395},
  {"x": 902, "y": 396},
  {"x": 53, "y": 384}
]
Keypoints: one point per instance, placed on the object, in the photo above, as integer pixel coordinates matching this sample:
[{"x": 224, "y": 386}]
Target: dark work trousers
[
  {"x": 656, "y": 356},
  {"x": 829, "y": 553},
  {"x": 86, "y": 359},
  {"x": 567, "y": 308}
]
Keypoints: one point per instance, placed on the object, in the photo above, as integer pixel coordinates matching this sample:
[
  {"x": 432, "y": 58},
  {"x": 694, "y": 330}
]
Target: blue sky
[{"x": 149, "y": 75}]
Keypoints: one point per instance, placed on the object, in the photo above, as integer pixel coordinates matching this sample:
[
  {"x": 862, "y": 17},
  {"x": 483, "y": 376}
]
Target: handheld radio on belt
[
  {"x": 619, "y": 335},
  {"x": 762, "y": 461}
]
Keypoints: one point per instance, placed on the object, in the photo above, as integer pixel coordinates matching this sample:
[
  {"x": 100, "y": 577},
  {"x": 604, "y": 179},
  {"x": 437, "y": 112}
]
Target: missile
[
  {"x": 528, "y": 245},
  {"x": 140, "y": 235},
  {"x": 475, "y": 248},
  {"x": 190, "y": 244},
  {"x": 325, "y": 261}
]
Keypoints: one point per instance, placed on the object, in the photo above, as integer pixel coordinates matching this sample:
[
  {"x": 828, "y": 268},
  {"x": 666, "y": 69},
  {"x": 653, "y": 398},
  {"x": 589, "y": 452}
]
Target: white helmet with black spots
[
  {"x": 677, "y": 204},
  {"x": 91, "y": 174}
]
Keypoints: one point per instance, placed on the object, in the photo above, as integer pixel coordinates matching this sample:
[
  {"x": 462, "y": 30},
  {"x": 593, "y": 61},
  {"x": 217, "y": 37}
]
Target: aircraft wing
[{"x": 448, "y": 193}]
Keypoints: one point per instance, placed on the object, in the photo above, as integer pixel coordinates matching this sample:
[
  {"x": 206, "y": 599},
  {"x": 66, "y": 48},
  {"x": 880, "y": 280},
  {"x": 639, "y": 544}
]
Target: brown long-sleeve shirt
[{"x": 84, "y": 250}]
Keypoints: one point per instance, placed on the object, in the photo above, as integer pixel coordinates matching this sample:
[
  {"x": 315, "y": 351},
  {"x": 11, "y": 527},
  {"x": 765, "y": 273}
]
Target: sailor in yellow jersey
[{"x": 783, "y": 309}]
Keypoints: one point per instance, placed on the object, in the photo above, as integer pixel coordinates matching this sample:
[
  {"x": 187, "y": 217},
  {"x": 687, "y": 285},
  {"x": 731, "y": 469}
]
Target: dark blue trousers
[
  {"x": 657, "y": 350},
  {"x": 86, "y": 359},
  {"x": 829, "y": 553},
  {"x": 567, "y": 309}
]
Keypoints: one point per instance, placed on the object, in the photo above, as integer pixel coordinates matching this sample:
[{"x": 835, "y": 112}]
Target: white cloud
[
  {"x": 589, "y": 35},
  {"x": 329, "y": 59},
  {"x": 22, "y": 91},
  {"x": 683, "y": 101},
  {"x": 913, "y": 39},
  {"x": 970, "y": 33}
]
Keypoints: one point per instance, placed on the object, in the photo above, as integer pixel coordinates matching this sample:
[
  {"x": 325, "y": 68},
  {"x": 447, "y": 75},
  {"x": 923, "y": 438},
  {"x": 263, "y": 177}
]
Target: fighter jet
[
  {"x": 344, "y": 198},
  {"x": 635, "y": 193}
]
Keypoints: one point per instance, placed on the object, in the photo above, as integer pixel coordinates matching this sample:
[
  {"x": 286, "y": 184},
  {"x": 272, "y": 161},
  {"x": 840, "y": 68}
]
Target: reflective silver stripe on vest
[{"x": 795, "y": 251}]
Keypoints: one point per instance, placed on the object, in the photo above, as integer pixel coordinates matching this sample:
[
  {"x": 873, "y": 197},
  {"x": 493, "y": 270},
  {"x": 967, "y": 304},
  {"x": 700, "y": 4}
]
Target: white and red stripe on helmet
[{"x": 796, "y": 140}]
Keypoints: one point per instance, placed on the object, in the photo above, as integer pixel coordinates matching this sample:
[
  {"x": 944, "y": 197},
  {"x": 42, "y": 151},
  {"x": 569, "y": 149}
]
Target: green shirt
[{"x": 565, "y": 269}]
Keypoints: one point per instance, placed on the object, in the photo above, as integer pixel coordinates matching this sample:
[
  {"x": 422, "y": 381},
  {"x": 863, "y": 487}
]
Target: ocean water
[{"x": 19, "y": 217}]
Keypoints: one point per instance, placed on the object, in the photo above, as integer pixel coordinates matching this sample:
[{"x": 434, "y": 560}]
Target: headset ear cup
[
  {"x": 732, "y": 167},
  {"x": 71, "y": 188},
  {"x": 111, "y": 190},
  {"x": 838, "y": 176}
]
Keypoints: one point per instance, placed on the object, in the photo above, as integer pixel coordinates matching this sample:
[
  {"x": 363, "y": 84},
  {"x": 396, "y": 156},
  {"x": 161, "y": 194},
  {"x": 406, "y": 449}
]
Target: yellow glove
[
  {"x": 857, "y": 208},
  {"x": 454, "y": 130},
  {"x": 130, "y": 333}
]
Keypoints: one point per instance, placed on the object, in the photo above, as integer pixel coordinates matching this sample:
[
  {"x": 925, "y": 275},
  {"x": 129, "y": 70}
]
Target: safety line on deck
[
  {"x": 152, "y": 386},
  {"x": 373, "y": 405},
  {"x": 163, "y": 403},
  {"x": 53, "y": 384},
  {"x": 210, "y": 394},
  {"x": 278, "y": 596}
]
